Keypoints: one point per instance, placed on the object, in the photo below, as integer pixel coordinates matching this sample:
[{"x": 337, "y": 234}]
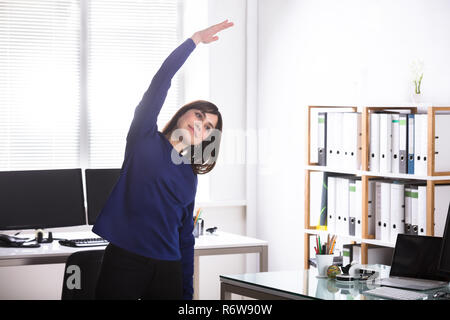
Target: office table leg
[
  {"x": 196, "y": 276},
  {"x": 263, "y": 259},
  {"x": 225, "y": 294},
  {"x": 261, "y": 250}
]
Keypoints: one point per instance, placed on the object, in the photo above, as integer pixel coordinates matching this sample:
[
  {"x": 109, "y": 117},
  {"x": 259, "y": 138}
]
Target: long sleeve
[
  {"x": 187, "y": 242},
  {"x": 146, "y": 113}
]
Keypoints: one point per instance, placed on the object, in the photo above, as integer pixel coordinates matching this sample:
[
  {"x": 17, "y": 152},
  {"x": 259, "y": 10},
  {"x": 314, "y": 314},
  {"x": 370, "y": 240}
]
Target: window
[
  {"x": 127, "y": 42},
  {"x": 73, "y": 71},
  {"x": 39, "y": 84}
]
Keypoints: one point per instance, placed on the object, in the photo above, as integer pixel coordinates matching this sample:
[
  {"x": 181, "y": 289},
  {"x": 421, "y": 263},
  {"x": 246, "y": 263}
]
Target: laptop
[{"x": 415, "y": 264}]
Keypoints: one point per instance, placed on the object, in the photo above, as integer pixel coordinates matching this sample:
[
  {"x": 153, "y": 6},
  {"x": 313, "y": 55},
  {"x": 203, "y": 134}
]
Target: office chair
[{"x": 80, "y": 275}]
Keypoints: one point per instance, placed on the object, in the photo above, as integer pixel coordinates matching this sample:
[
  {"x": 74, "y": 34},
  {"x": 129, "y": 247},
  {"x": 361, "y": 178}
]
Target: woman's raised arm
[
  {"x": 147, "y": 111},
  {"x": 208, "y": 35}
]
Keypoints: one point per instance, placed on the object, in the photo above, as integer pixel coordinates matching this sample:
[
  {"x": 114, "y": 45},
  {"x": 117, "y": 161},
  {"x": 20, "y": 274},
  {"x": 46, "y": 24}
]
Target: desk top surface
[
  {"x": 305, "y": 283},
  {"x": 218, "y": 240}
]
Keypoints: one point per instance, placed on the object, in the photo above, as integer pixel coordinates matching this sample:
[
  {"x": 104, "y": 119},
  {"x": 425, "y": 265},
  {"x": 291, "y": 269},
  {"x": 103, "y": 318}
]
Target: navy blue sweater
[{"x": 150, "y": 210}]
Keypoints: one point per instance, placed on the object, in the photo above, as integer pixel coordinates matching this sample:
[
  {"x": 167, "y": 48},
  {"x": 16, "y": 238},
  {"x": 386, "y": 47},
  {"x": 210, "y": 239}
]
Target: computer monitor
[
  {"x": 417, "y": 257},
  {"x": 99, "y": 184},
  {"x": 41, "y": 199},
  {"x": 444, "y": 261}
]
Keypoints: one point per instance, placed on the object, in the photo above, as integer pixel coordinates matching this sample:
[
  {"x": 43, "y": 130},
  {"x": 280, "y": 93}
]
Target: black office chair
[{"x": 81, "y": 274}]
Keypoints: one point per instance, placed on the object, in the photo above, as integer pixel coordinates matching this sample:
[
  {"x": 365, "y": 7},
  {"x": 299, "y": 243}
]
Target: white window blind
[
  {"x": 127, "y": 43},
  {"x": 39, "y": 84}
]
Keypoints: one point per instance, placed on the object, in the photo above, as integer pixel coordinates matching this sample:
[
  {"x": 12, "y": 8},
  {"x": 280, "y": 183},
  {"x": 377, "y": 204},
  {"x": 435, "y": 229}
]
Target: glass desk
[{"x": 300, "y": 285}]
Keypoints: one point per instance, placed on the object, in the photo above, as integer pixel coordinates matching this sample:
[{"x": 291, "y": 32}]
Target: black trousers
[{"x": 125, "y": 275}]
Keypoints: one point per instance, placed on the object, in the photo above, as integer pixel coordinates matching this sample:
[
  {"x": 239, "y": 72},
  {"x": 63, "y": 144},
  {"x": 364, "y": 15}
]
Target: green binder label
[{"x": 412, "y": 194}]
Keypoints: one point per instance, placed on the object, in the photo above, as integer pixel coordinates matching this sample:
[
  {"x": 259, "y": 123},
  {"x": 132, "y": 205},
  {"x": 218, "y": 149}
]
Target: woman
[{"x": 148, "y": 218}]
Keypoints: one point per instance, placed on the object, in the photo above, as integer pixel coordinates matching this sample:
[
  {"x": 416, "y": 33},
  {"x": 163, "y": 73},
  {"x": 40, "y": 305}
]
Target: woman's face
[{"x": 197, "y": 125}]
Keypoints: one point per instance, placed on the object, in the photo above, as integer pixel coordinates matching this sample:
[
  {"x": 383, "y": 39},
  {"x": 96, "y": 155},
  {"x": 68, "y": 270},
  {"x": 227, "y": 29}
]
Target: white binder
[
  {"x": 441, "y": 204},
  {"x": 358, "y": 216},
  {"x": 414, "y": 210},
  {"x": 321, "y": 138},
  {"x": 421, "y": 145},
  {"x": 385, "y": 142},
  {"x": 353, "y": 140},
  {"x": 395, "y": 159},
  {"x": 417, "y": 145},
  {"x": 397, "y": 210},
  {"x": 411, "y": 144},
  {"x": 338, "y": 136},
  {"x": 424, "y": 144},
  {"x": 345, "y": 207},
  {"x": 422, "y": 210},
  {"x": 358, "y": 143},
  {"x": 378, "y": 203},
  {"x": 331, "y": 140},
  {"x": 371, "y": 207},
  {"x": 331, "y": 205},
  {"x": 315, "y": 197},
  {"x": 342, "y": 204},
  {"x": 385, "y": 214},
  {"x": 441, "y": 141},
  {"x": 408, "y": 209},
  {"x": 374, "y": 154},
  {"x": 351, "y": 207},
  {"x": 339, "y": 205},
  {"x": 347, "y": 132},
  {"x": 403, "y": 143}
]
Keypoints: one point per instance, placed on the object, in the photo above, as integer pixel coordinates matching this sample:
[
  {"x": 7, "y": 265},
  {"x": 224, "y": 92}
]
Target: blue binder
[{"x": 411, "y": 143}]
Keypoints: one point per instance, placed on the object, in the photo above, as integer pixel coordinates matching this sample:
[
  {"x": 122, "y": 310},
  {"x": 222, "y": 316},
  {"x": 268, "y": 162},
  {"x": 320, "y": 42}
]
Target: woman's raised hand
[{"x": 208, "y": 35}]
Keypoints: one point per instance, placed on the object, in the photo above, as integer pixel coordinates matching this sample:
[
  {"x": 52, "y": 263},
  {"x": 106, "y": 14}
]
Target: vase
[{"x": 416, "y": 98}]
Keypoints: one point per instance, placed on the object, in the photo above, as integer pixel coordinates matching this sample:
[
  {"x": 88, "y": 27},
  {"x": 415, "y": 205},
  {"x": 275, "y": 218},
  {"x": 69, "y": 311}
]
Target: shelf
[
  {"x": 377, "y": 174},
  {"x": 351, "y": 238}
]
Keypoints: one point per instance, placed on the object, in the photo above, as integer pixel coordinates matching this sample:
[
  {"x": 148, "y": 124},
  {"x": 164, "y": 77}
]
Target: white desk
[{"x": 215, "y": 244}]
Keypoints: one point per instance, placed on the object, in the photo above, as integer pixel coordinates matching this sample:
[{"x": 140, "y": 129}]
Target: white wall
[{"x": 325, "y": 52}]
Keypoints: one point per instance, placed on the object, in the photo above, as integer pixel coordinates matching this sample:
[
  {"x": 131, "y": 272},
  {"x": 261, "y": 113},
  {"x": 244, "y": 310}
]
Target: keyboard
[
  {"x": 89, "y": 242},
  {"x": 396, "y": 294}
]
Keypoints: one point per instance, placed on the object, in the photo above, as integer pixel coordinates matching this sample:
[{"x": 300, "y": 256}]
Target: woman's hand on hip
[{"x": 209, "y": 34}]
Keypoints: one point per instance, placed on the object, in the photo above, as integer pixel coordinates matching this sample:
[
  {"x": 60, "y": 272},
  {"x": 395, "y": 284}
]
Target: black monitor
[
  {"x": 417, "y": 257},
  {"x": 41, "y": 199},
  {"x": 99, "y": 184},
  {"x": 444, "y": 261}
]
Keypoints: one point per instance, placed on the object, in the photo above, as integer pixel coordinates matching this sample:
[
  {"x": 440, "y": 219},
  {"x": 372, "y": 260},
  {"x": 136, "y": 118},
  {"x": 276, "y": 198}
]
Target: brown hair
[{"x": 206, "y": 162}]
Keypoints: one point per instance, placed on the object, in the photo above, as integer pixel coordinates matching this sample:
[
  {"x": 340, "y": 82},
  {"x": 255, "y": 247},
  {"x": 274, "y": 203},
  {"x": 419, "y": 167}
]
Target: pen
[
  {"x": 329, "y": 244},
  {"x": 332, "y": 246},
  {"x": 197, "y": 216},
  {"x": 333, "y": 240},
  {"x": 317, "y": 244},
  {"x": 320, "y": 247}
]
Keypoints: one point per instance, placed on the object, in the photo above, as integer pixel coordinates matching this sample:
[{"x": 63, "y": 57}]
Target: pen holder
[
  {"x": 198, "y": 228},
  {"x": 323, "y": 262}
]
